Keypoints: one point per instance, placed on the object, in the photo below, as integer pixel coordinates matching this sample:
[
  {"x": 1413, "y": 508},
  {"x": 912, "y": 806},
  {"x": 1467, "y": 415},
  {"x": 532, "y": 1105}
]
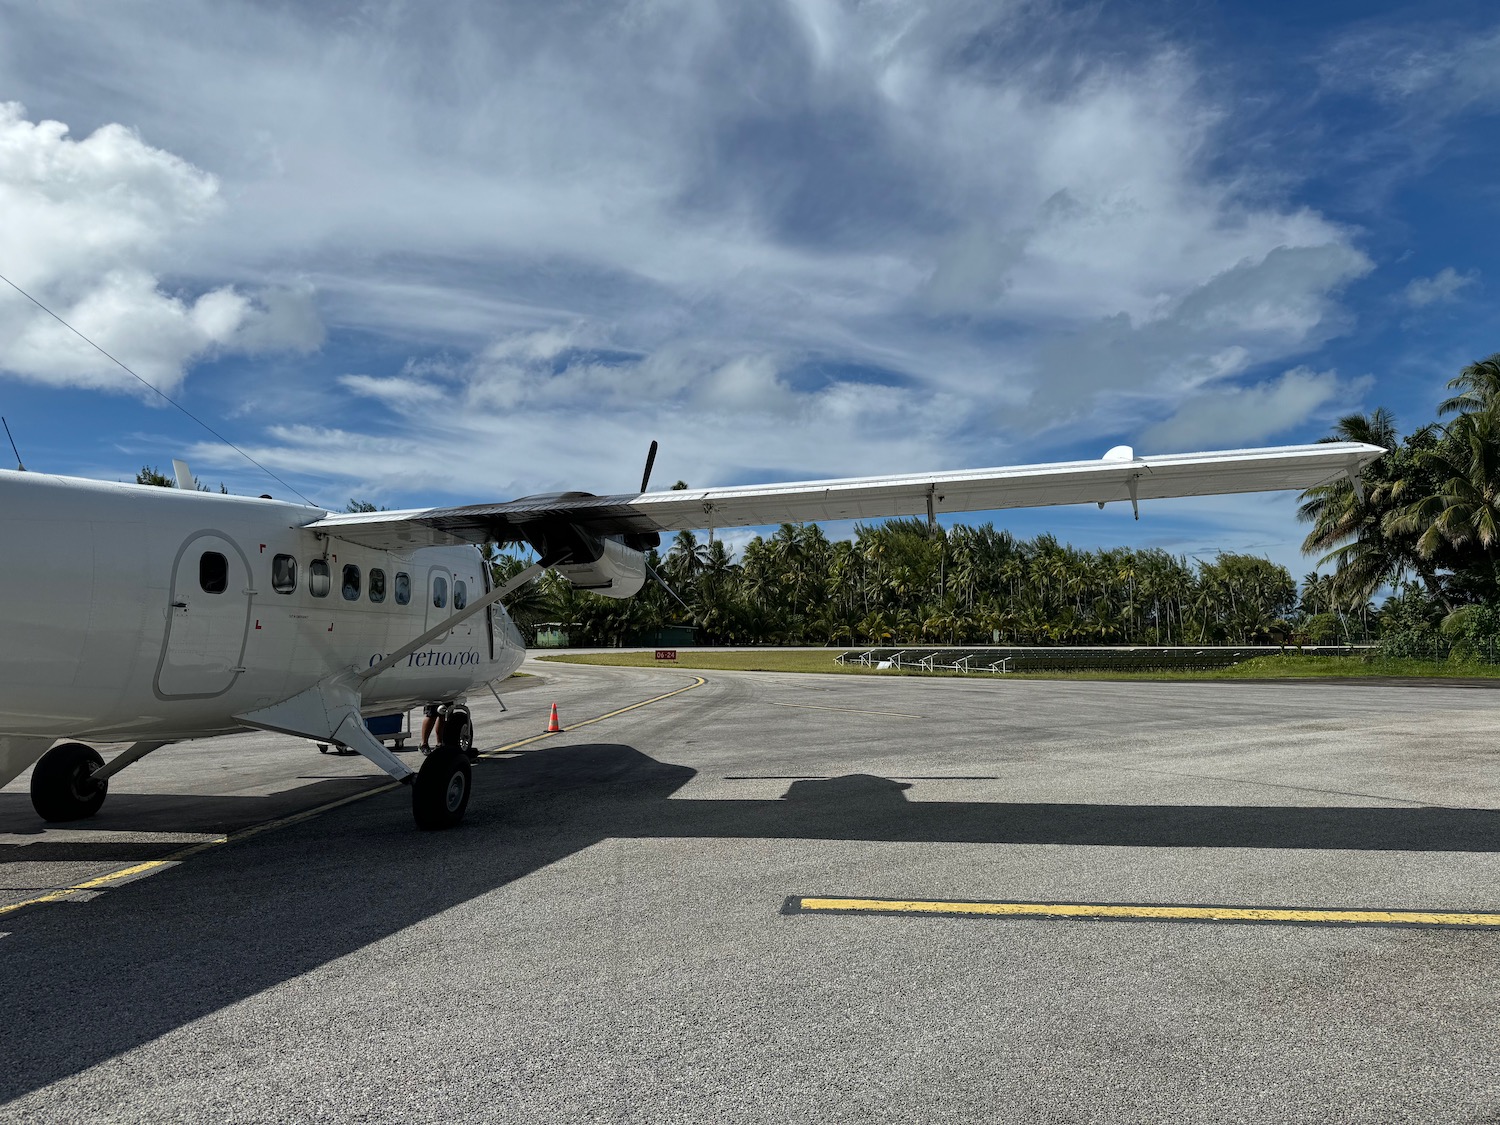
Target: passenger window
[
  {"x": 351, "y": 582},
  {"x": 439, "y": 591},
  {"x": 377, "y": 585},
  {"x": 213, "y": 572},
  {"x": 403, "y": 588},
  {"x": 318, "y": 583},
  {"x": 283, "y": 574},
  {"x": 460, "y": 593}
]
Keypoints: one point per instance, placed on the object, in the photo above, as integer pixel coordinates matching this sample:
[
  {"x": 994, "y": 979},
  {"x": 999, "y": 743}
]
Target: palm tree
[
  {"x": 686, "y": 558},
  {"x": 1367, "y": 548},
  {"x": 1463, "y": 511},
  {"x": 1478, "y": 385}
]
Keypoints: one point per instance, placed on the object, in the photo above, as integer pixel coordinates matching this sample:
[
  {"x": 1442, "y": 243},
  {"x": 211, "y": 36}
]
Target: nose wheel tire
[
  {"x": 458, "y": 733},
  {"x": 61, "y": 789},
  {"x": 440, "y": 794}
]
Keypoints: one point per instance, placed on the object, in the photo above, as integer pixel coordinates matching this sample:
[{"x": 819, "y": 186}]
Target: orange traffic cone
[{"x": 552, "y": 727}]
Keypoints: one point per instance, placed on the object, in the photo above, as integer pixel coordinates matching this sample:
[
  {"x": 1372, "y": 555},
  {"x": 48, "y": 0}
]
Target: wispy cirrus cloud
[
  {"x": 1433, "y": 67},
  {"x": 1237, "y": 416},
  {"x": 1442, "y": 287}
]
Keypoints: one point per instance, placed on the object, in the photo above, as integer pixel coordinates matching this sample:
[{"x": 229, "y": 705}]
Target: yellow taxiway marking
[
  {"x": 125, "y": 874},
  {"x": 698, "y": 681},
  {"x": 1142, "y": 912},
  {"x": 96, "y": 884},
  {"x": 846, "y": 710}
]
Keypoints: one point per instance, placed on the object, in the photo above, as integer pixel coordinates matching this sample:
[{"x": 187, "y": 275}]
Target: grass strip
[{"x": 1290, "y": 666}]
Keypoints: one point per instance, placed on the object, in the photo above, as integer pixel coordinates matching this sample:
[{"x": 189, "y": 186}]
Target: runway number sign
[{"x": 666, "y": 654}]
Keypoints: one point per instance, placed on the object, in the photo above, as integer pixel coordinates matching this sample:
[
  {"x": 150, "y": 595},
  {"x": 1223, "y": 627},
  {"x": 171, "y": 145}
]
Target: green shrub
[
  {"x": 1323, "y": 629},
  {"x": 1473, "y": 632}
]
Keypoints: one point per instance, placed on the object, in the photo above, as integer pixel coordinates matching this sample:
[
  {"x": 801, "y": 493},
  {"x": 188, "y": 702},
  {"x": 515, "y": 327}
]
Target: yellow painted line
[
  {"x": 1142, "y": 912},
  {"x": 698, "y": 681},
  {"x": 93, "y": 884},
  {"x": 846, "y": 710},
  {"x": 102, "y": 882}
]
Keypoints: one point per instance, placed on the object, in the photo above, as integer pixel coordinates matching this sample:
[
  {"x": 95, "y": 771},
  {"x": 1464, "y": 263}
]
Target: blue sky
[{"x": 453, "y": 252}]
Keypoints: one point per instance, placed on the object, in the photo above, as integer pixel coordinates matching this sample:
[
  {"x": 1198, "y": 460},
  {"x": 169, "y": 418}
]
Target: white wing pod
[{"x": 617, "y": 573}]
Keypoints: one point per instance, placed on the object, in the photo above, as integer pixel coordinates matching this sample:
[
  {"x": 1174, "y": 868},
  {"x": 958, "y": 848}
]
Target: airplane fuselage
[{"x": 133, "y": 612}]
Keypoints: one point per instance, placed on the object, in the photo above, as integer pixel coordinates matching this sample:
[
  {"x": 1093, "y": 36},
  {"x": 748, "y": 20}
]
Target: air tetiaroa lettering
[{"x": 432, "y": 658}]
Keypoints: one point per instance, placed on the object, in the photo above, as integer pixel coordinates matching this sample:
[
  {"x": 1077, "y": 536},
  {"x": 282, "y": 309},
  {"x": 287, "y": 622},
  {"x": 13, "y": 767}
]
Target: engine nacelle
[{"x": 618, "y": 572}]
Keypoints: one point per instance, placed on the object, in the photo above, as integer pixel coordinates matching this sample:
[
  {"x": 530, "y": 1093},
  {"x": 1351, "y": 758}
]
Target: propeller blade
[{"x": 650, "y": 460}]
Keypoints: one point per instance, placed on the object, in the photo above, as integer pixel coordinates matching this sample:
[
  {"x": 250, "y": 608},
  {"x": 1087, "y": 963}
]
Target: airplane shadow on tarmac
[{"x": 90, "y": 980}]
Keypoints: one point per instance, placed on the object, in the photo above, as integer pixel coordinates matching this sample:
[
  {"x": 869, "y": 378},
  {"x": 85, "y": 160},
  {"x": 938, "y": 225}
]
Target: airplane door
[{"x": 208, "y": 619}]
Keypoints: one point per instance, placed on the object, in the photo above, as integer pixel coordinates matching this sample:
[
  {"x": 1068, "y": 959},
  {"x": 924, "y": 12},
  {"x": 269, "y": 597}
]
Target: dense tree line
[{"x": 901, "y": 582}]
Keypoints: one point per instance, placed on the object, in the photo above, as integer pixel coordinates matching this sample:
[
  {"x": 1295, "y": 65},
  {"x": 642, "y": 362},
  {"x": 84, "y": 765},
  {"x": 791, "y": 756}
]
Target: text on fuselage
[{"x": 431, "y": 658}]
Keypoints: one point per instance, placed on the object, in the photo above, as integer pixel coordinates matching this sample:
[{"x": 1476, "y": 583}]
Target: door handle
[{"x": 179, "y": 605}]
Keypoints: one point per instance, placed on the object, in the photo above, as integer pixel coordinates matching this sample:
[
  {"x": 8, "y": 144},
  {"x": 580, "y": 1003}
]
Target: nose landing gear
[
  {"x": 62, "y": 785},
  {"x": 458, "y": 733}
]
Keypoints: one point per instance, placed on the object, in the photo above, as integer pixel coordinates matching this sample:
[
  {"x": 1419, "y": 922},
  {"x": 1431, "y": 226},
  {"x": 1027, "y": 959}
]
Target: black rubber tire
[
  {"x": 60, "y": 785},
  {"x": 440, "y": 793},
  {"x": 458, "y": 732}
]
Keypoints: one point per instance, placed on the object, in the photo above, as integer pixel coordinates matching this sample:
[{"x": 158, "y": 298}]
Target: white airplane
[{"x": 147, "y": 615}]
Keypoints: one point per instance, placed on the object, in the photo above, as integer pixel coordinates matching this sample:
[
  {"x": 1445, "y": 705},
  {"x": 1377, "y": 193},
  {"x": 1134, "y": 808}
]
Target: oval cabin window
[
  {"x": 439, "y": 592},
  {"x": 351, "y": 583},
  {"x": 377, "y": 584},
  {"x": 403, "y": 588},
  {"x": 318, "y": 583},
  {"x": 460, "y": 593}
]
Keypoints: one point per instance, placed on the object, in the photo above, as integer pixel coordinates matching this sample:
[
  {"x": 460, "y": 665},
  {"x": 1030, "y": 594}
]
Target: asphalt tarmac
[{"x": 603, "y": 938}]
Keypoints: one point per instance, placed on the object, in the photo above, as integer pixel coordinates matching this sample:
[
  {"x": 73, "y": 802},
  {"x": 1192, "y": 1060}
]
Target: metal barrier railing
[{"x": 1001, "y": 660}]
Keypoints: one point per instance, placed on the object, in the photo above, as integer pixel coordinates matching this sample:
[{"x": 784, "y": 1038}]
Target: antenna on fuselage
[{"x": 13, "y": 448}]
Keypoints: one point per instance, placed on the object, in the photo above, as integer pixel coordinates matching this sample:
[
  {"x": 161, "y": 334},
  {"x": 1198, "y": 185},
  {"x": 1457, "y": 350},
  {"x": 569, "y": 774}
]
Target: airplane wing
[{"x": 1118, "y": 476}]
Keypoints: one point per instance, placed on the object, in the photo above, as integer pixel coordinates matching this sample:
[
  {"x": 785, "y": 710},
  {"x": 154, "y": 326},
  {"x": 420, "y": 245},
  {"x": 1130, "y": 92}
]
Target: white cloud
[
  {"x": 1254, "y": 312},
  {"x": 397, "y": 391},
  {"x": 1234, "y": 417},
  {"x": 1442, "y": 287},
  {"x": 700, "y": 223},
  {"x": 83, "y": 227}
]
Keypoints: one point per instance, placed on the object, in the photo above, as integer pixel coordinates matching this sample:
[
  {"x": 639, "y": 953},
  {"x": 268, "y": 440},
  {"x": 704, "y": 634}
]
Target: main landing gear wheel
[
  {"x": 61, "y": 788},
  {"x": 440, "y": 794},
  {"x": 458, "y": 733}
]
